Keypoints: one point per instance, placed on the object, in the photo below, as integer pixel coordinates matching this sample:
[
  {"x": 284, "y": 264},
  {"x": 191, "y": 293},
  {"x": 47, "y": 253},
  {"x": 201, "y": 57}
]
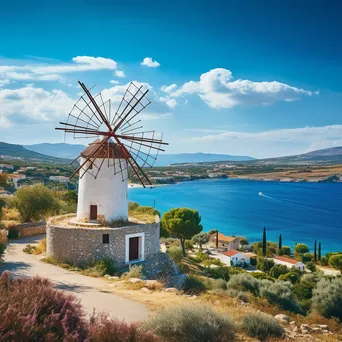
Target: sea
[{"x": 302, "y": 212}]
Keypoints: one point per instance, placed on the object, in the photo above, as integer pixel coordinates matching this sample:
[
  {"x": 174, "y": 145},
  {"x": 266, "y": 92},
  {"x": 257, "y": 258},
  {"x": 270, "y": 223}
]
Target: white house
[
  {"x": 61, "y": 179},
  {"x": 236, "y": 258},
  {"x": 281, "y": 260}
]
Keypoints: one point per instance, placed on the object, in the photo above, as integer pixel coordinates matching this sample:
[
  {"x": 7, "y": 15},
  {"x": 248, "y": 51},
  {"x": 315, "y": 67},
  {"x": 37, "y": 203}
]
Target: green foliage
[
  {"x": 278, "y": 270},
  {"x": 290, "y": 276},
  {"x": 191, "y": 323},
  {"x": 311, "y": 266},
  {"x": 285, "y": 250},
  {"x": 280, "y": 293},
  {"x": 335, "y": 261},
  {"x": 324, "y": 261},
  {"x": 265, "y": 264},
  {"x": 307, "y": 257},
  {"x": 29, "y": 249},
  {"x": 264, "y": 243},
  {"x": 34, "y": 202},
  {"x": 2, "y": 251},
  {"x": 202, "y": 256},
  {"x": 221, "y": 272},
  {"x": 164, "y": 233},
  {"x": 13, "y": 233},
  {"x": 188, "y": 244},
  {"x": 244, "y": 282},
  {"x": 182, "y": 223},
  {"x": 261, "y": 326},
  {"x": 135, "y": 271},
  {"x": 243, "y": 240},
  {"x": 193, "y": 284},
  {"x": 175, "y": 253},
  {"x": 261, "y": 275},
  {"x": 215, "y": 284},
  {"x": 200, "y": 239},
  {"x": 327, "y": 298},
  {"x": 301, "y": 248},
  {"x": 2, "y": 205}
]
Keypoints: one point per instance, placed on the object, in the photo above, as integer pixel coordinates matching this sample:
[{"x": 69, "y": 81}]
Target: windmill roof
[{"x": 109, "y": 150}]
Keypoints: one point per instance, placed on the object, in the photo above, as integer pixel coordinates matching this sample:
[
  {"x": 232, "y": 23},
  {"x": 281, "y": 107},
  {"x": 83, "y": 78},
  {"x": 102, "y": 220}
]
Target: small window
[{"x": 105, "y": 238}]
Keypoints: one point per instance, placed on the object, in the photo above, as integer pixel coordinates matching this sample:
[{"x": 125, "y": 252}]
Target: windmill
[{"x": 122, "y": 149}]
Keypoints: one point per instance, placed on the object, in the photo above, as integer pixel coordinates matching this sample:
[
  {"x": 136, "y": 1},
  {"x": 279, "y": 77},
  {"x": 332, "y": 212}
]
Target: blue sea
[{"x": 301, "y": 212}]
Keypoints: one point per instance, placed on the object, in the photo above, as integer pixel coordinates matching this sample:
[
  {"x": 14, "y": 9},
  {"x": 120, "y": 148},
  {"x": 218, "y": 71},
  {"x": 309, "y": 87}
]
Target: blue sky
[{"x": 258, "y": 78}]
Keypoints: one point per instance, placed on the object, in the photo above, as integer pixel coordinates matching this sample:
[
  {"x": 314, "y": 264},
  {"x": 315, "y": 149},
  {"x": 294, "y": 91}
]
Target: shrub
[
  {"x": 215, "y": 284},
  {"x": 216, "y": 261},
  {"x": 261, "y": 275},
  {"x": 172, "y": 242},
  {"x": 244, "y": 282},
  {"x": 285, "y": 250},
  {"x": 264, "y": 264},
  {"x": 278, "y": 270},
  {"x": 335, "y": 261},
  {"x": 202, "y": 256},
  {"x": 191, "y": 323},
  {"x": 99, "y": 268},
  {"x": 261, "y": 326},
  {"x": 29, "y": 249},
  {"x": 290, "y": 276},
  {"x": 324, "y": 261},
  {"x": 193, "y": 285},
  {"x": 221, "y": 272},
  {"x": 103, "y": 329},
  {"x": 311, "y": 266},
  {"x": 135, "y": 271},
  {"x": 176, "y": 254},
  {"x": 200, "y": 239},
  {"x": 13, "y": 233},
  {"x": 327, "y": 298},
  {"x": 188, "y": 244},
  {"x": 280, "y": 293},
  {"x": 238, "y": 294},
  {"x": 32, "y": 310}
]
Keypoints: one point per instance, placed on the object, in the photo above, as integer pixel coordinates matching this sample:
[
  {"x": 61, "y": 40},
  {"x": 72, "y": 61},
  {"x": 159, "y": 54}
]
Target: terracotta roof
[
  {"x": 249, "y": 255},
  {"x": 290, "y": 261},
  {"x": 222, "y": 237},
  {"x": 109, "y": 150},
  {"x": 231, "y": 252}
]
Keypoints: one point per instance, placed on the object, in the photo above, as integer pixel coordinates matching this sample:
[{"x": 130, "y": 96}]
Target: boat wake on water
[{"x": 261, "y": 194}]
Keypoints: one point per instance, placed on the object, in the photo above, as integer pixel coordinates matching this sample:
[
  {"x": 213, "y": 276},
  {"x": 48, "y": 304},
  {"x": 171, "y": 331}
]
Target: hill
[
  {"x": 71, "y": 151},
  {"x": 18, "y": 152}
]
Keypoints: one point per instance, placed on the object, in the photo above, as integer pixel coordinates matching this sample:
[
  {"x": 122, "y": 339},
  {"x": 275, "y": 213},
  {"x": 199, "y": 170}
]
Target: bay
[{"x": 301, "y": 212}]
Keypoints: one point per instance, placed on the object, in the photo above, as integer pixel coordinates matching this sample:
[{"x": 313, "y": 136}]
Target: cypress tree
[
  {"x": 315, "y": 252},
  {"x": 280, "y": 245},
  {"x": 319, "y": 251},
  {"x": 264, "y": 243}
]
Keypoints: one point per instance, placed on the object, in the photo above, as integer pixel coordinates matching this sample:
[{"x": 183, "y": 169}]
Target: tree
[
  {"x": 34, "y": 202},
  {"x": 243, "y": 240},
  {"x": 301, "y": 248},
  {"x": 200, "y": 239},
  {"x": 319, "y": 251},
  {"x": 335, "y": 261},
  {"x": 265, "y": 264},
  {"x": 280, "y": 245},
  {"x": 182, "y": 223},
  {"x": 2, "y": 205},
  {"x": 264, "y": 243},
  {"x": 3, "y": 180},
  {"x": 315, "y": 252}
]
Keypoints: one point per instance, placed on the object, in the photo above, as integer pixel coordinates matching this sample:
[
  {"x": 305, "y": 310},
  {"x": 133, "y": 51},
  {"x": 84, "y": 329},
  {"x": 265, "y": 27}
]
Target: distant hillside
[
  {"x": 11, "y": 151},
  {"x": 61, "y": 150},
  {"x": 72, "y": 151}
]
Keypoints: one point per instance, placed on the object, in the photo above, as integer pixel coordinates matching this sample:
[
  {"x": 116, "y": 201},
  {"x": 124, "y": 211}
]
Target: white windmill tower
[{"x": 105, "y": 165}]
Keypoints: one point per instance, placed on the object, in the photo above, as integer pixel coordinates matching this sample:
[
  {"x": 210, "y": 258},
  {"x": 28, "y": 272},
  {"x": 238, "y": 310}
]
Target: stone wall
[
  {"x": 31, "y": 228},
  {"x": 81, "y": 245}
]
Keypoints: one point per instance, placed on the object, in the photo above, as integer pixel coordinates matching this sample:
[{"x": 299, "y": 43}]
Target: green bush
[
  {"x": 278, "y": 270},
  {"x": 324, "y": 261},
  {"x": 221, "y": 272},
  {"x": 335, "y": 261},
  {"x": 261, "y": 326},
  {"x": 216, "y": 261},
  {"x": 13, "y": 233},
  {"x": 311, "y": 266},
  {"x": 215, "y": 284},
  {"x": 99, "y": 268},
  {"x": 286, "y": 250},
  {"x": 191, "y": 323},
  {"x": 176, "y": 254},
  {"x": 193, "y": 285},
  {"x": 238, "y": 294},
  {"x": 261, "y": 275},
  {"x": 264, "y": 264},
  {"x": 202, "y": 256},
  {"x": 290, "y": 276},
  {"x": 327, "y": 298},
  {"x": 244, "y": 282},
  {"x": 188, "y": 244}
]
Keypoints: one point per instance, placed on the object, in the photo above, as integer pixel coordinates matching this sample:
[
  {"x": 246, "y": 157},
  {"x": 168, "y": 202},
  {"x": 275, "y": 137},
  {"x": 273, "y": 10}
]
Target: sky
[{"x": 257, "y": 78}]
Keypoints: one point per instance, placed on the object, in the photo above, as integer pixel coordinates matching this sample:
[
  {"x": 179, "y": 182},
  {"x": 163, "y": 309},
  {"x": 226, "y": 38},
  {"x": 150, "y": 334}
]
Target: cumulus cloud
[
  {"x": 119, "y": 73},
  {"x": 149, "y": 62},
  {"x": 32, "y": 105},
  {"x": 218, "y": 90},
  {"x": 271, "y": 143},
  {"x": 114, "y": 82},
  {"x": 52, "y": 72}
]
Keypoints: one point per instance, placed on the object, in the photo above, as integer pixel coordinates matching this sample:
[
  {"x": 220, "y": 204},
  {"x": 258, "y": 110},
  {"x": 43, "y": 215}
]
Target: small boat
[{"x": 261, "y": 194}]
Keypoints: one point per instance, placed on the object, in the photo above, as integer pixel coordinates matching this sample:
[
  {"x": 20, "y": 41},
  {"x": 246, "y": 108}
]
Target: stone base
[{"x": 82, "y": 245}]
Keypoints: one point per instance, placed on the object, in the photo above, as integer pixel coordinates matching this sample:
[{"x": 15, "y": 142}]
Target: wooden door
[
  {"x": 93, "y": 212},
  {"x": 134, "y": 248}
]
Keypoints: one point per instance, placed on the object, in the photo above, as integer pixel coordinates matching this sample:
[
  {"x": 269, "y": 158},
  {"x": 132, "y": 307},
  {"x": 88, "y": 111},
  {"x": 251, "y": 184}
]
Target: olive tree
[
  {"x": 335, "y": 261},
  {"x": 200, "y": 239},
  {"x": 182, "y": 223},
  {"x": 34, "y": 202}
]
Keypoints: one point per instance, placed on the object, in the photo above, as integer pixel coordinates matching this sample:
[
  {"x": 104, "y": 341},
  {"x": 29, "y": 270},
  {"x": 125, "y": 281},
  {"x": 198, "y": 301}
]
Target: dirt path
[{"x": 92, "y": 292}]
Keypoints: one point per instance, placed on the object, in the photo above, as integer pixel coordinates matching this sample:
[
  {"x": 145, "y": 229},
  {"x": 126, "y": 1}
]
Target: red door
[
  {"x": 133, "y": 248},
  {"x": 93, "y": 212}
]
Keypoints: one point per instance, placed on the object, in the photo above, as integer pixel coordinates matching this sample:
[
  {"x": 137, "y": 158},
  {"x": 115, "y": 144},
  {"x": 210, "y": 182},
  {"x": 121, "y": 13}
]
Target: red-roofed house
[
  {"x": 281, "y": 260},
  {"x": 229, "y": 242},
  {"x": 235, "y": 258}
]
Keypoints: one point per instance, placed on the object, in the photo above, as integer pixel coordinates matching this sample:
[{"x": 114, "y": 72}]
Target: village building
[
  {"x": 237, "y": 258},
  {"x": 228, "y": 242},
  {"x": 60, "y": 179},
  {"x": 281, "y": 260}
]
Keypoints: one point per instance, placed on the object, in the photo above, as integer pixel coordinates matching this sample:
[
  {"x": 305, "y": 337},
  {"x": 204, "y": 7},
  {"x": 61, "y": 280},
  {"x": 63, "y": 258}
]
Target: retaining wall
[{"x": 31, "y": 228}]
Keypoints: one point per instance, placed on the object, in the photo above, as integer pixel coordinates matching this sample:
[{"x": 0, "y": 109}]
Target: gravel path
[{"x": 91, "y": 291}]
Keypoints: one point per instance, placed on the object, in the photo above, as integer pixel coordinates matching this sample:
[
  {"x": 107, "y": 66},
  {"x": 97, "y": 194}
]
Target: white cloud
[
  {"x": 218, "y": 90},
  {"x": 271, "y": 143},
  {"x": 3, "y": 82},
  {"x": 149, "y": 62},
  {"x": 114, "y": 82},
  {"x": 51, "y": 72},
  {"x": 119, "y": 73},
  {"x": 172, "y": 103},
  {"x": 32, "y": 105}
]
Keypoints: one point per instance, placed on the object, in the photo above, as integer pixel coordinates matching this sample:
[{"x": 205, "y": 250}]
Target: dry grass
[
  {"x": 10, "y": 214},
  {"x": 141, "y": 217}
]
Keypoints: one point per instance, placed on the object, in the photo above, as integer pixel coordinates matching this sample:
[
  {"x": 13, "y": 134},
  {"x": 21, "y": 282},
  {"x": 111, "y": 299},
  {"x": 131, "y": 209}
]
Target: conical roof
[{"x": 109, "y": 150}]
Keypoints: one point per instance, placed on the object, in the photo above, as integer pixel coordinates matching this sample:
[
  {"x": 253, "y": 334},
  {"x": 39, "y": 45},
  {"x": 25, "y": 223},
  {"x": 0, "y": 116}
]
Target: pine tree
[
  {"x": 315, "y": 252},
  {"x": 264, "y": 243},
  {"x": 280, "y": 245},
  {"x": 319, "y": 251}
]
